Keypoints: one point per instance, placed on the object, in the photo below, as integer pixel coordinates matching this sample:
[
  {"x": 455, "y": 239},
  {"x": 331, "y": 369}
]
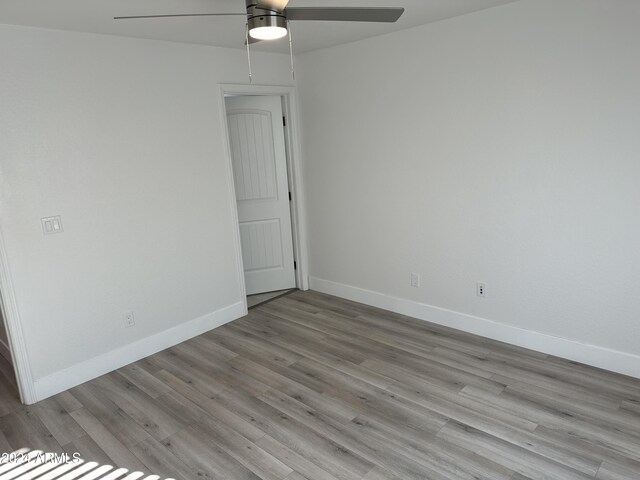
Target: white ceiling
[{"x": 96, "y": 16}]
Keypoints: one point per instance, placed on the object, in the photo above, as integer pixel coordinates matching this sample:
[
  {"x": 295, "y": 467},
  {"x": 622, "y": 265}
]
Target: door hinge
[
  {"x": 295, "y": 265},
  {"x": 289, "y": 196},
  {"x": 284, "y": 121}
]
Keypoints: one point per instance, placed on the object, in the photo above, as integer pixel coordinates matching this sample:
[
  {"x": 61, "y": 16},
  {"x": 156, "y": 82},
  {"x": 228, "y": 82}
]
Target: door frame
[{"x": 294, "y": 173}]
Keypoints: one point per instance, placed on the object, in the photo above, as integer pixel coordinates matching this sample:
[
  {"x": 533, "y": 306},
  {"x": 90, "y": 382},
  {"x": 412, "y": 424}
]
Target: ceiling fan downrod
[
  {"x": 247, "y": 43},
  {"x": 293, "y": 68}
]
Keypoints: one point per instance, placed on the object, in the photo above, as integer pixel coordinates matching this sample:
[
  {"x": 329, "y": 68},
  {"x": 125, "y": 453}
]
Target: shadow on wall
[{"x": 4, "y": 339}]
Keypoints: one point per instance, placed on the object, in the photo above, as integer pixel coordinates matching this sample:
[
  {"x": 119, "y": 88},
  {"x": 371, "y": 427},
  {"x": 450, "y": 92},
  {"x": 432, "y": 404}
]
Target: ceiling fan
[{"x": 268, "y": 19}]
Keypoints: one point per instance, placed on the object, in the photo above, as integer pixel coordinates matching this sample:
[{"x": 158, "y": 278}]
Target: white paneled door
[{"x": 258, "y": 154}]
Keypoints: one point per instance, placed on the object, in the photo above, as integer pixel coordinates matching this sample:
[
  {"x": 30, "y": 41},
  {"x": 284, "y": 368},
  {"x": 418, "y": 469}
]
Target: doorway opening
[{"x": 261, "y": 144}]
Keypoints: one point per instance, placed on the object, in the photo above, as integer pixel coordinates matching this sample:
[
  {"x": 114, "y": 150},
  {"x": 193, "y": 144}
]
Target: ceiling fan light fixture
[
  {"x": 268, "y": 27},
  {"x": 268, "y": 33}
]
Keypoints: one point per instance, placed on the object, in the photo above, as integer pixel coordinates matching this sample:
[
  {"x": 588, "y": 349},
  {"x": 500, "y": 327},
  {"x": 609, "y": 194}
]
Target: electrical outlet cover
[
  {"x": 129, "y": 319},
  {"x": 51, "y": 225}
]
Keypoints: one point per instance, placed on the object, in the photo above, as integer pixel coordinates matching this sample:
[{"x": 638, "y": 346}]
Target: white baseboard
[
  {"x": 601, "y": 357},
  {"x": 5, "y": 351},
  {"x": 97, "y": 366}
]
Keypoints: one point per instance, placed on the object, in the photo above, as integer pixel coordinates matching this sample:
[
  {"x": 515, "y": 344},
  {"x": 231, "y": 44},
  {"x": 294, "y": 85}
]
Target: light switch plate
[{"x": 52, "y": 225}]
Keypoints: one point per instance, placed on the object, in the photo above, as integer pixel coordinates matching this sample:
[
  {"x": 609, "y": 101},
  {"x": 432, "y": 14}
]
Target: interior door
[{"x": 258, "y": 154}]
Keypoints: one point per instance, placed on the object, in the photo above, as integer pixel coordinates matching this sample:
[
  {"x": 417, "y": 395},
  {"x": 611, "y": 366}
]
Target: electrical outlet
[
  {"x": 415, "y": 280},
  {"x": 51, "y": 225},
  {"x": 481, "y": 289},
  {"x": 129, "y": 320}
]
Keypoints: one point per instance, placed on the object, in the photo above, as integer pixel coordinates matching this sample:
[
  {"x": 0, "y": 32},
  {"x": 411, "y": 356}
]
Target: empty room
[{"x": 321, "y": 240}]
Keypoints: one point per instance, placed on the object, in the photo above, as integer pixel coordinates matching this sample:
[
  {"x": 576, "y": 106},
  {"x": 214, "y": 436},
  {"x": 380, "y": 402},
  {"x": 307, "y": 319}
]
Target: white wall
[
  {"x": 500, "y": 146},
  {"x": 124, "y": 139}
]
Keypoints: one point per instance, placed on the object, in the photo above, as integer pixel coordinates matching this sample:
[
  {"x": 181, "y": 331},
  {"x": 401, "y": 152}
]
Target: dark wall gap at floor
[{"x": 260, "y": 298}]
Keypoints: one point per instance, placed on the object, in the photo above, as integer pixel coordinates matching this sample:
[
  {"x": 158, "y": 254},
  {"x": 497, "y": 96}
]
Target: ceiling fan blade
[
  {"x": 181, "y": 15},
  {"x": 277, "y": 4},
  {"x": 345, "y": 14}
]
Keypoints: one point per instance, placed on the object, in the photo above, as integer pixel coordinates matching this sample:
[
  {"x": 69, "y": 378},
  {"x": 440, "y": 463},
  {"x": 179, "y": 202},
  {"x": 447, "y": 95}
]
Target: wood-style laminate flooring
[{"x": 316, "y": 387}]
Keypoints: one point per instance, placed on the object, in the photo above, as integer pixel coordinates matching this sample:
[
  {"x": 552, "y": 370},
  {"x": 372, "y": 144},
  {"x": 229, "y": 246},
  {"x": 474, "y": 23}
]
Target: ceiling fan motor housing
[{"x": 263, "y": 16}]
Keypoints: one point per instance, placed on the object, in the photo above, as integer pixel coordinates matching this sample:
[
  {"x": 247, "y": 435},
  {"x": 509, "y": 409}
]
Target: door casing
[{"x": 294, "y": 170}]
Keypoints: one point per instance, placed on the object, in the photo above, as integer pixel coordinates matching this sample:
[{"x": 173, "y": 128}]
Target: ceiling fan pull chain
[
  {"x": 248, "y": 55},
  {"x": 293, "y": 69}
]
